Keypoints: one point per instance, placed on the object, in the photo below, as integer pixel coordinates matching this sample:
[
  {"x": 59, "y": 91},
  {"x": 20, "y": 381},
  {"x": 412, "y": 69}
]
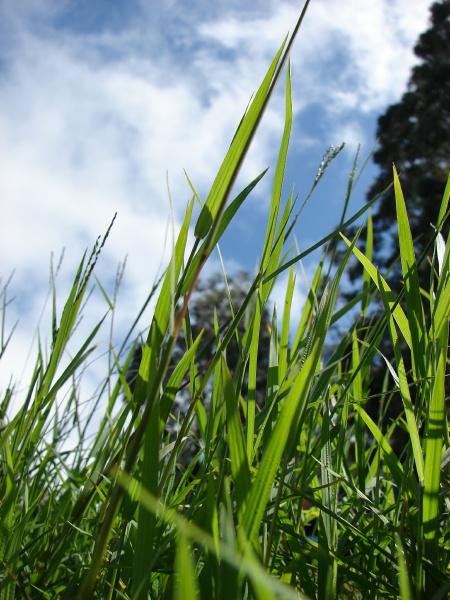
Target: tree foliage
[
  {"x": 414, "y": 134},
  {"x": 215, "y": 297}
]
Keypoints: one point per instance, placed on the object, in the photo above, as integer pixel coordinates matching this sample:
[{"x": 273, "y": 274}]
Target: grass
[{"x": 300, "y": 497}]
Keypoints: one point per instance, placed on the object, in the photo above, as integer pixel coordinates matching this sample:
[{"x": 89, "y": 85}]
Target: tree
[
  {"x": 414, "y": 135},
  {"x": 211, "y": 295}
]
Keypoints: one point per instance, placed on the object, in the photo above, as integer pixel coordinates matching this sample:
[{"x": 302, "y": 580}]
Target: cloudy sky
[{"x": 101, "y": 102}]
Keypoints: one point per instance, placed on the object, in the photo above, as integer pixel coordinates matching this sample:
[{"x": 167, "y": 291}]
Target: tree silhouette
[
  {"x": 211, "y": 295},
  {"x": 413, "y": 134}
]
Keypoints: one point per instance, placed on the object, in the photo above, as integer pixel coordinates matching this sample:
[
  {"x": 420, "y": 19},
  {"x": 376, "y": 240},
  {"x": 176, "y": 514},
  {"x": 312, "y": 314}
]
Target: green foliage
[{"x": 298, "y": 495}]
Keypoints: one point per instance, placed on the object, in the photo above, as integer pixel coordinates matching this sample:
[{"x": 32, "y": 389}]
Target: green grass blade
[
  {"x": 382, "y": 285},
  {"x": 236, "y": 441},
  {"x": 444, "y": 204},
  {"x": 252, "y": 374},
  {"x": 207, "y": 244},
  {"x": 279, "y": 172},
  {"x": 435, "y": 424},
  {"x": 416, "y": 316},
  {"x": 238, "y": 561},
  {"x": 186, "y": 581},
  {"x": 236, "y": 152},
  {"x": 285, "y": 326},
  {"x": 413, "y": 430},
  {"x": 369, "y": 254},
  {"x": 403, "y": 577},
  {"x": 391, "y": 460}
]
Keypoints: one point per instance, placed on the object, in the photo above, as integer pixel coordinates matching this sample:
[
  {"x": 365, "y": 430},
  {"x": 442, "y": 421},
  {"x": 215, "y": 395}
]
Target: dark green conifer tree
[{"x": 414, "y": 135}]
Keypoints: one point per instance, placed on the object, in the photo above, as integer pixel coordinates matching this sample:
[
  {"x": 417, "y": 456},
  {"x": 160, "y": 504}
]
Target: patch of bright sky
[{"x": 99, "y": 99}]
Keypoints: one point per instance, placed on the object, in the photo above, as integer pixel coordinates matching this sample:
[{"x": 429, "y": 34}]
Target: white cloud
[
  {"x": 90, "y": 123},
  {"x": 367, "y": 44}
]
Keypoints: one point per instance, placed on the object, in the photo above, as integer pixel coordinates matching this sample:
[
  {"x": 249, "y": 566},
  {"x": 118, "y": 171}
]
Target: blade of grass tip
[
  {"x": 310, "y": 305},
  {"x": 193, "y": 190},
  {"x": 228, "y": 292},
  {"x": 274, "y": 257},
  {"x": 233, "y": 159},
  {"x": 67, "y": 322},
  {"x": 444, "y": 203},
  {"x": 416, "y": 317},
  {"x": 382, "y": 285},
  {"x": 280, "y": 169},
  {"x": 211, "y": 213},
  {"x": 244, "y": 135},
  {"x": 325, "y": 239},
  {"x": 104, "y": 293},
  {"x": 164, "y": 305},
  {"x": 413, "y": 430}
]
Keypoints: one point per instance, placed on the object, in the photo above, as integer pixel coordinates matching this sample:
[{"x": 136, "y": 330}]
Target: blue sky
[{"x": 99, "y": 99}]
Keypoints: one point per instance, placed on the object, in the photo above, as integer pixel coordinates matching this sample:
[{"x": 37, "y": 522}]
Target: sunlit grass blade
[
  {"x": 381, "y": 283},
  {"x": 403, "y": 577},
  {"x": 308, "y": 310},
  {"x": 323, "y": 240},
  {"x": 369, "y": 254},
  {"x": 209, "y": 243},
  {"x": 279, "y": 171},
  {"x": 435, "y": 424},
  {"x": 236, "y": 441},
  {"x": 186, "y": 581},
  {"x": 392, "y": 461},
  {"x": 292, "y": 407},
  {"x": 284, "y": 337},
  {"x": 192, "y": 532},
  {"x": 416, "y": 317},
  {"x": 227, "y": 172}
]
